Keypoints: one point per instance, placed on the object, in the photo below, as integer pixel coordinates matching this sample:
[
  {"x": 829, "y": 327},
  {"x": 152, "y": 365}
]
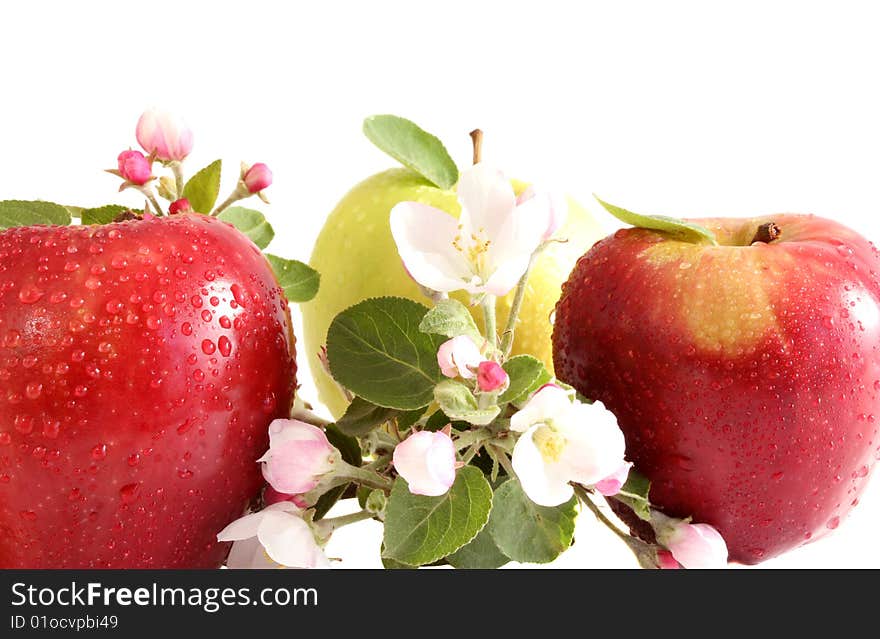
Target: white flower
[
  {"x": 458, "y": 357},
  {"x": 564, "y": 441},
  {"x": 426, "y": 461},
  {"x": 486, "y": 250},
  {"x": 277, "y": 536}
]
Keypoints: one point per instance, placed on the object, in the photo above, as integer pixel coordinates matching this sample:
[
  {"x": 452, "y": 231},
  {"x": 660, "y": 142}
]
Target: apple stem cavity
[
  {"x": 477, "y": 138},
  {"x": 767, "y": 233}
]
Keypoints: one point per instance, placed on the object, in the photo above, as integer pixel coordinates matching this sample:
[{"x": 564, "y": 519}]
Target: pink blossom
[
  {"x": 272, "y": 496},
  {"x": 180, "y": 206},
  {"x": 134, "y": 167},
  {"x": 426, "y": 461},
  {"x": 257, "y": 178},
  {"x": 692, "y": 545},
  {"x": 612, "y": 484},
  {"x": 164, "y": 135},
  {"x": 458, "y": 357},
  {"x": 491, "y": 377},
  {"x": 665, "y": 561},
  {"x": 299, "y": 456}
]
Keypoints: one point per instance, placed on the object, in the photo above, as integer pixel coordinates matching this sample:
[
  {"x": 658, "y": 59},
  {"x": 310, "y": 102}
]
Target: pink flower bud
[
  {"x": 179, "y": 206},
  {"x": 665, "y": 561},
  {"x": 299, "y": 456},
  {"x": 612, "y": 484},
  {"x": 694, "y": 545},
  {"x": 134, "y": 167},
  {"x": 257, "y": 178},
  {"x": 272, "y": 496},
  {"x": 426, "y": 461},
  {"x": 491, "y": 377},
  {"x": 458, "y": 356},
  {"x": 164, "y": 135}
]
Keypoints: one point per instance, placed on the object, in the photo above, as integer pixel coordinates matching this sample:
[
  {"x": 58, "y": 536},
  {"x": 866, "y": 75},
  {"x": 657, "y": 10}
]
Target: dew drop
[
  {"x": 33, "y": 390},
  {"x": 208, "y": 347},
  {"x": 153, "y": 322},
  {"x": 5, "y": 439},
  {"x": 186, "y": 328},
  {"x": 30, "y": 295},
  {"x": 99, "y": 452},
  {"x": 225, "y": 346},
  {"x": 129, "y": 493},
  {"x": 833, "y": 523}
]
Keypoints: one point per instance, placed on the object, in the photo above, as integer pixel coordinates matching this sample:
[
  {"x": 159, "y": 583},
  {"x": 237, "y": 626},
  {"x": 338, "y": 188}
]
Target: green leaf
[
  {"x": 451, "y": 318},
  {"x": 203, "y": 188},
  {"x": 634, "y": 493},
  {"x": 27, "y": 213},
  {"x": 299, "y": 281},
  {"x": 361, "y": 417},
  {"x": 75, "y": 211},
  {"x": 458, "y": 402},
  {"x": 250, "y": 222},
  {"x": 351, "y": 453},
  {"x": 438, "y": 420},
  {"x": 405, "y": 419},
  {"x": 413, "y": 147},
  {"x": 376, "y": 350},
  {"x": 420, "y": 530},
  {"x": 480, "y": 553},
  {"x": 680, "y": 228},
  {"x": 524, "y": 372},
  {"x": 527, "y": 532},
  {"x": 102, "y": 214}
]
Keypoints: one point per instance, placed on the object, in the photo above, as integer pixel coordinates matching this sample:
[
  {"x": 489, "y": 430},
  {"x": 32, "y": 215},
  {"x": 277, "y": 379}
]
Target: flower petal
[
  {"x": 289, "y": 541},
  {"x": 612, "y": 484},
  {"x": 457, "y": 356},
  {"x": 247, "y": 554},
  {"x": 541, "y": 484},
  {"x": 546, "y": 404},
  {"x": 697, "y": 546},
  {"x": 595, "y": 444},
  {"x": 487, "y": 200},
  {"x": 242, "y": 528},
  {"x": 426, "y": 461},
  {"x": 424, "y": 237}
]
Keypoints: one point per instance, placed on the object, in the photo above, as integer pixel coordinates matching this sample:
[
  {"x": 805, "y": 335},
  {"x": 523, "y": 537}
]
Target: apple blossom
[
  {"x": 692, "y": 545},
  {"x": 257, "y": 178},
  {"x": 164, "y": 135},
  {"x": 545, "y": 201},
  {"x": 179, "y": 206},
  {"x": 458, "y": 357},
  {"x": 665, "y": 561},
  {"x": 272, "y": 496},
  {"x": 277, "y": 536},
  {"x": 134, "y": 167},
  {"x": 564, "y": 440},
  {"x": 491, "y": 377},
  {"x": 426, "y": 461},
  {"x": 486, "y": 250},
  {"x": 612, "y": 484},
  {"x": 299, "y": 456}
]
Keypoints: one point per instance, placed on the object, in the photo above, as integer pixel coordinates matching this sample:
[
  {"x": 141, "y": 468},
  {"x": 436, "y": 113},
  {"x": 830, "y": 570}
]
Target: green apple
[{"x": 357, "y": 258}]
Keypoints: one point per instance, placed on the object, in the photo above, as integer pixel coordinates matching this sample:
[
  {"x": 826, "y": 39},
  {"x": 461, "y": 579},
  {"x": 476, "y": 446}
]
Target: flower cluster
[
  {"x": 166, "y": 139},
  {"x": 515, "y": 448}
]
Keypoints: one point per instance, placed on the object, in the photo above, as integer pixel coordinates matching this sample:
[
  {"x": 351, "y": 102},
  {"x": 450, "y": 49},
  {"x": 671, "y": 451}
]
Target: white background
[{"x": 683, "y": 108}]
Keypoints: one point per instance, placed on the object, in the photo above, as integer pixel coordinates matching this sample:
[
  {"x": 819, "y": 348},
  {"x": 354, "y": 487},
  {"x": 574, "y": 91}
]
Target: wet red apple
[
  {"x": 745, "y": 376},
  {"x": 140, "y": 364}
]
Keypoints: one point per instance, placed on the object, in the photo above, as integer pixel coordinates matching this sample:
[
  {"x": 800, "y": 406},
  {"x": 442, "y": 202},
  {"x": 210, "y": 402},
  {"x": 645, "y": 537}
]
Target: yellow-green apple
[
  {"x": 745, "y": 375},
  {"x": 357, "y": 258}
]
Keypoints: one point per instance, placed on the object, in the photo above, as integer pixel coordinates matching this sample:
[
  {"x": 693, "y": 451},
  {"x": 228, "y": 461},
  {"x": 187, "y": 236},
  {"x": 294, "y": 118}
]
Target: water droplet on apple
[
  {"x": 225, "y": 346},
  {"x": 30, "y": 295},
  {"x": 184, "y": 473},
  {"x": 186, "y": 328},
  {"x": 129, "y": 492},
  {"x": 833, "y": 523},
  {"x": 208, "y": 347},
  {"x": 99, "y": 452}
]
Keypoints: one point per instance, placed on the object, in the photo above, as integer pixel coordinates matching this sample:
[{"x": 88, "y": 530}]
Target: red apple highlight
[
  {"x": 141, "y": 363},
  {"x": 745, "y": 376}
]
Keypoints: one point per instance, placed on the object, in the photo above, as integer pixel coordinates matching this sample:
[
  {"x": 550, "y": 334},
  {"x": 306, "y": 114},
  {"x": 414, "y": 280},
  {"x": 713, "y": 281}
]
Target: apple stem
[
  {"x": 767, "y": 233},
  {"x": 327, "y": 526},
  {"x": 477, "y": 138},
  {"x": 510, "y": 329}
]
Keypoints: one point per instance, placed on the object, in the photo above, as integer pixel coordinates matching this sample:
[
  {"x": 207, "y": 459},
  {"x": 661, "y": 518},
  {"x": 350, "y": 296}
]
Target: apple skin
[
  {"x": 357, "y": 258},
  {"x": 746, "y": 378},
  {"x": 141, "y": 363}
]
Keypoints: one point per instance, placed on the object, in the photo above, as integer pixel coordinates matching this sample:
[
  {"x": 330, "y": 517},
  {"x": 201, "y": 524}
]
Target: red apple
[
  {"x": 745, "y": 376},
  {"x": 141, "y": 363}
]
